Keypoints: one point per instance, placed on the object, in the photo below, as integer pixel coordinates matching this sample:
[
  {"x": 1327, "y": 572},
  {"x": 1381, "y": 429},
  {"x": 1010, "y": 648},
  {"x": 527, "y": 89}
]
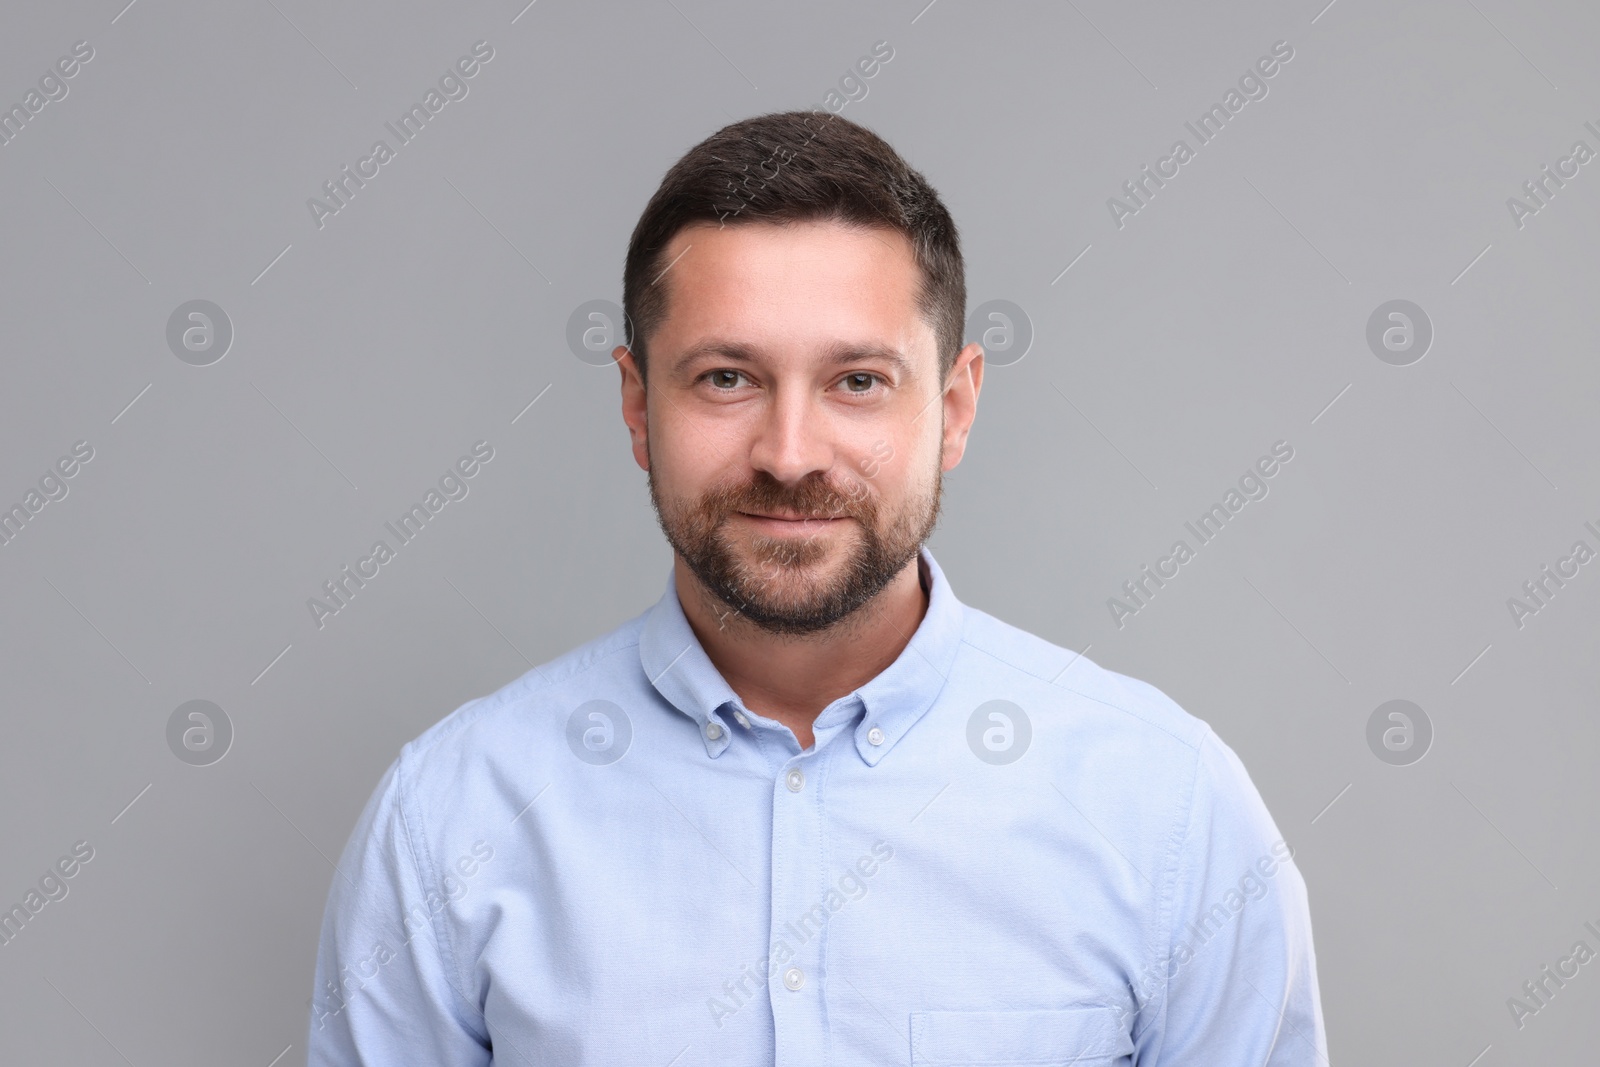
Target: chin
[{"x": 779, "y": 557}]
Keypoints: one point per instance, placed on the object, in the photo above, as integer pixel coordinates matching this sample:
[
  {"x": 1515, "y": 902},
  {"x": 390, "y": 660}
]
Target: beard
[{"x": 784, "y": 585}]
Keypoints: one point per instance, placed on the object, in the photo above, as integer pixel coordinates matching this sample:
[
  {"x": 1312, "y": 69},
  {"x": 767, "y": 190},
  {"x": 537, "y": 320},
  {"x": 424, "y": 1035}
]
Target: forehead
[{"x": 793, "y": 286}]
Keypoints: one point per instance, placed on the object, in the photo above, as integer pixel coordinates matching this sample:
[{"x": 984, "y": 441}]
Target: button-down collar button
[
  {"x": 875, "y": 736},
  {"x": 793, "y": 978},
  {"x": 713, "y": 730},
  {"x": 739, "y": 715},
  {"x": 795, "y": 780}
]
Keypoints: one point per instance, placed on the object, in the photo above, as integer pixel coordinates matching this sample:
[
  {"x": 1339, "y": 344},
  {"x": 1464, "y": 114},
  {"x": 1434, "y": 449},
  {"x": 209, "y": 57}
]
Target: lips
[
  {"x": 791, "y": 517},
  {"x": 783, "y": 524}
]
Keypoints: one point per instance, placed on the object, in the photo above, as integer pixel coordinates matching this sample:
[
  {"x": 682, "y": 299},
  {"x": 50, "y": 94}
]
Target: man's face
[{"x": 793, "y": 430}]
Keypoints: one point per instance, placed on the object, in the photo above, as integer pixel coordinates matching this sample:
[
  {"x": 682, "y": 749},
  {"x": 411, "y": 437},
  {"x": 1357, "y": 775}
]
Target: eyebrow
[{"x": 838, "y": 354}]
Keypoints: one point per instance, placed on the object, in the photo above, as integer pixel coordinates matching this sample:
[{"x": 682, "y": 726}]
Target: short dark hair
[{"x": 794, "y": 166}]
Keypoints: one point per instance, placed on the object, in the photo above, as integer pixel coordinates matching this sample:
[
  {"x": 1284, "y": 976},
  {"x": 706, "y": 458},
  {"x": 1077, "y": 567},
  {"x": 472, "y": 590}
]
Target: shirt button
[
  {"x": 875, "y": 736},
  {"x": 713, "y": 731},
  {"x": 739, "y": 715},
  {"x": 793, "y": 978},
  {"x": 795, "y": 780}
]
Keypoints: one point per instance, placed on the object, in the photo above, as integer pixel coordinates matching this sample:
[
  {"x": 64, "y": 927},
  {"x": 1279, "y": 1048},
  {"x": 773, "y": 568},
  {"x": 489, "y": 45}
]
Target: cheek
[
  {"x": 683, "y": 422},
  {"x": 673, "y": 436},
  {"x": 900, "y": 465},
  {"x": 687, "y": 457},
  {"x": 925, "y": 445},
  {"x": 683, "y": 472}
]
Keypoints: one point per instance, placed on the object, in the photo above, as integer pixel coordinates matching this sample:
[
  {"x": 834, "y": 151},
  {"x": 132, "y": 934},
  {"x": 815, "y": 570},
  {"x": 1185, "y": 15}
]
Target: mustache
[{"x": 814, "y": 497}]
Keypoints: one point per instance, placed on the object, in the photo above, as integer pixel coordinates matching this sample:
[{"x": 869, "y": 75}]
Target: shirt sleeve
[
  {"x": 1241, "y": 971},
  {"x": 385, "y": 989}
]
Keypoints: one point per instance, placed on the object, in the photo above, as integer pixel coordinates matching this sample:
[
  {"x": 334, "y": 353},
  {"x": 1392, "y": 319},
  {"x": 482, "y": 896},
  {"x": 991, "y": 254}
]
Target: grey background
[{"x": 1228, "y": 314}]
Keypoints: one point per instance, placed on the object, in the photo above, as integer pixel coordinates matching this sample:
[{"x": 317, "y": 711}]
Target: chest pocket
[{"x": 1082, "y": 1036}]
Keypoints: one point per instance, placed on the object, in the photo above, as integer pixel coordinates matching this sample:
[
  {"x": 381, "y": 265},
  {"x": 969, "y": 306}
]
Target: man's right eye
[{"x": 724, "y": 379}]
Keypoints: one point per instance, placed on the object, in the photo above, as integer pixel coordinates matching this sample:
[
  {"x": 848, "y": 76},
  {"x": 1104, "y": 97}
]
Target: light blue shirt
[{"x": 996, "y": 852}]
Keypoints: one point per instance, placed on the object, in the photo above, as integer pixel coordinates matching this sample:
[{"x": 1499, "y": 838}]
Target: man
[{"x": 809, "y": 808}]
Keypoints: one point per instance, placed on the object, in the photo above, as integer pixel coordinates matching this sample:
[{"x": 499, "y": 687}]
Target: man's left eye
[{"x": 859, "y": 383}]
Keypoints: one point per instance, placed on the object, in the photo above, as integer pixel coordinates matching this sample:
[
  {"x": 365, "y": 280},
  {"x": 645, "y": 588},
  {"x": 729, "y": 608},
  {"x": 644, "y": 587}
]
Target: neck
[{"x": 791, "y": 678}]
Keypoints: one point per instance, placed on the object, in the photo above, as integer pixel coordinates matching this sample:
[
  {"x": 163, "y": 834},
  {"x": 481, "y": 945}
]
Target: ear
[
  {"x": 634, "y": 405},
  {"x": 961, "y": 402}
]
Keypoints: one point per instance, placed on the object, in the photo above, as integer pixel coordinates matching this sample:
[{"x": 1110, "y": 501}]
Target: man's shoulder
[
  {"x": 1118, "y": 703},
  {"x": 516, "y": 712},
  {"x": 1135, "y": 740}
]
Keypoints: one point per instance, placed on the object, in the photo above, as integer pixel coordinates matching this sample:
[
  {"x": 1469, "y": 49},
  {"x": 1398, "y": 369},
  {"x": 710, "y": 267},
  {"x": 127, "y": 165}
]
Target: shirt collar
[{"x": 901, "y": 694}]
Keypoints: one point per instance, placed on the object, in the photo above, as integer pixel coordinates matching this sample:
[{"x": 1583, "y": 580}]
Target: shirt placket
[{"x": 799, "y": 909}]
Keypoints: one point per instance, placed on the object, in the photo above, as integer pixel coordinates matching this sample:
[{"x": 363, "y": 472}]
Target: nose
[{"x": 792, "y": 439}]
